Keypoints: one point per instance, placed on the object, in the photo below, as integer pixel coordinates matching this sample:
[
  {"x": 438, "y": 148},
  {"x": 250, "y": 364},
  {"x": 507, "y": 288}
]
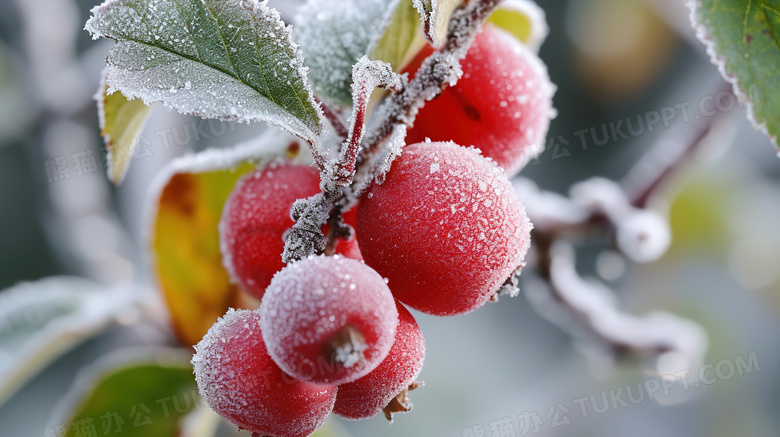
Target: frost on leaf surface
[
  {"x": 742, "y": 40},
  {"x": 231, "y": 60},
  {"x": 333, "y": 38}
]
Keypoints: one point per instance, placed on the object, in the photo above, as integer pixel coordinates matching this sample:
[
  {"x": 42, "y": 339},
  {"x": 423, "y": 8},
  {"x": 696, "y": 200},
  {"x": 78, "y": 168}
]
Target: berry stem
[
  {"x": 366, "y": 77},
  {"x": 335, "y": 119},
  {"x": 322, "y": 157}
]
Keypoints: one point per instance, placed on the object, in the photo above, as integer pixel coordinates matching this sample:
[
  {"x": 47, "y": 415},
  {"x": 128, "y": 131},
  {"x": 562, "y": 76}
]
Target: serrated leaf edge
[
  {"x": 703, "y": 35},
  {"x": 287, "y": 35}
]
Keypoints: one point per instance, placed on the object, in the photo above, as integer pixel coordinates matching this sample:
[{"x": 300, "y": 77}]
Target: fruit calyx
[
  {"x": 401, "y": 403},
  {"x": 510, "y": 287},
  {"x": 347, "y": 346}
]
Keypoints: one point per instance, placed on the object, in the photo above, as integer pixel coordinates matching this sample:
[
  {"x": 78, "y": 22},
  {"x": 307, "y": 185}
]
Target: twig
[
  {"x": 662, "y": 163},
  {"x": 366, "y": 77},
  {"x": 596, "y": 317},
  {"x": 584, "y": 302}
]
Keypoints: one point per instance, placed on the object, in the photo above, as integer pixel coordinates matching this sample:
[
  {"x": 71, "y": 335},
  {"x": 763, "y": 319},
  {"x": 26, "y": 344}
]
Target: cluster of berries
[{"x": 443, "y": 233}]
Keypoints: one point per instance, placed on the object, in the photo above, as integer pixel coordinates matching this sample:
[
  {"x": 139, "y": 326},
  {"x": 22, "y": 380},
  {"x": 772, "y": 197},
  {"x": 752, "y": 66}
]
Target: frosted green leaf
[
  {"x": 742, "y": 38},
  {"x": 39, "y": 321},
  {"x": 334, "y": 38},
  {"x": 121, "y": 120},
  {"x": 152, "y": 388},
  {"x": 435, "y": 16},
  {"x": 233, "y": 60}
]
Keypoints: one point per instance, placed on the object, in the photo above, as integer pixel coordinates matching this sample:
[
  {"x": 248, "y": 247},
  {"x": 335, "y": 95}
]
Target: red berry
[
  {"x": 256, "y": 217},
  {"x": 328, "y": 320},
  {"x": 385, "y": 388},
  {"x": 502, "y": 105},
  {"x": 239, "y": 380},
  {"x": 445, "y": 228}
]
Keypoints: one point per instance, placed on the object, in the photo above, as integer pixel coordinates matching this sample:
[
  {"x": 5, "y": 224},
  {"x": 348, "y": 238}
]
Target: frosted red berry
[
  {"x": 385, "y": 388},
  {"x": 239, "y": 380},
  {"x": 328, "y": 320},
  {"x": 502, "y": 105},
  {"x": 256, "y": 217},
  {"x": 445, "y": 227}
]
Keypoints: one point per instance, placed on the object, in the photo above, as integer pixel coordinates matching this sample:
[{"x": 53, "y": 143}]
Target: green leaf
[
  {"x": 743, "y": 40},
  {"x": 228, "y": 59},
  {"x": 184, "y": 213},
  {"x": 524, "y": 19},
  {"x": 39, "y": 321},
  {"x": 131, "y": 394},
  {"x": 435, "y": 16},
  {"x": 121, "y": 120},
  {"x": 402, "y": 38}
]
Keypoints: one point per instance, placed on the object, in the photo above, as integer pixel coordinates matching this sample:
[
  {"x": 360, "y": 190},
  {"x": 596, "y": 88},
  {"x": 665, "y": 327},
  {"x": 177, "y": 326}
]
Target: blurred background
[{"x": 503, "y": 370}]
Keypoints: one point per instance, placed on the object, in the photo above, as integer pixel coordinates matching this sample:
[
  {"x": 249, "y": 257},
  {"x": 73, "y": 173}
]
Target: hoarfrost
[
  {"x": 194, "y": 57},
  {"x": 333, "y": 38},
  {"x": 318, "y": 293},
  {"x": 644, "y": 236}
]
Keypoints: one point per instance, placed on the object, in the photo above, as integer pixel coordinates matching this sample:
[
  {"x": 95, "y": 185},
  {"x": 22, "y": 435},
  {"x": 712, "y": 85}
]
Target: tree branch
[{"x": 666, "y": 159}]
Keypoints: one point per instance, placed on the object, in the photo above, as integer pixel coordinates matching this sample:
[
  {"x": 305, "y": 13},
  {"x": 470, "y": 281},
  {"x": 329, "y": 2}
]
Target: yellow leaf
[
  {"x": 185, "y": 239},
  {"x": 121, "y": 120},
  {"x": 436, "y": 18},
  {"x": 524, "y": 19}
]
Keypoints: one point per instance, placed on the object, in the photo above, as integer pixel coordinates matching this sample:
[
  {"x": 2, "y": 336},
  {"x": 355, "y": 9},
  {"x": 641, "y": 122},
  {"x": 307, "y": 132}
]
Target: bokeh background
[{"x": 611, "y": 60}]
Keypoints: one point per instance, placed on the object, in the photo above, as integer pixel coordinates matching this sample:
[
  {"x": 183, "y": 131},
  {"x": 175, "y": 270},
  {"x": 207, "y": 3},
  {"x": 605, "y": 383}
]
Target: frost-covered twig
[
  {"x": 366, "y": 77},
  {"x": 665, "y": 159},
  {"x": 588, "y": 310},
  {"x": 599, "y": 206}
]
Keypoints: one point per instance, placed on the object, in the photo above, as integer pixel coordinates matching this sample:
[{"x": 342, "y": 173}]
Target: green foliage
[
  {"x": 149, "y": 398},
  {"x": 39, "y": 321},
  {"x": 742, "y": 38},
  {"x": 231, "y": 60}
]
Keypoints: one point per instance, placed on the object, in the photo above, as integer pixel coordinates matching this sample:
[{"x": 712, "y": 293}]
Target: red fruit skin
[
  {"x": 239, "y": 380},
  {"x": 502, "y": 105},
  {"x": 256, "y": 217},
  {"x": 445, "y": 228},
  {"x": 311, "y": 301},
  {"x": 370, "y": 394}
]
